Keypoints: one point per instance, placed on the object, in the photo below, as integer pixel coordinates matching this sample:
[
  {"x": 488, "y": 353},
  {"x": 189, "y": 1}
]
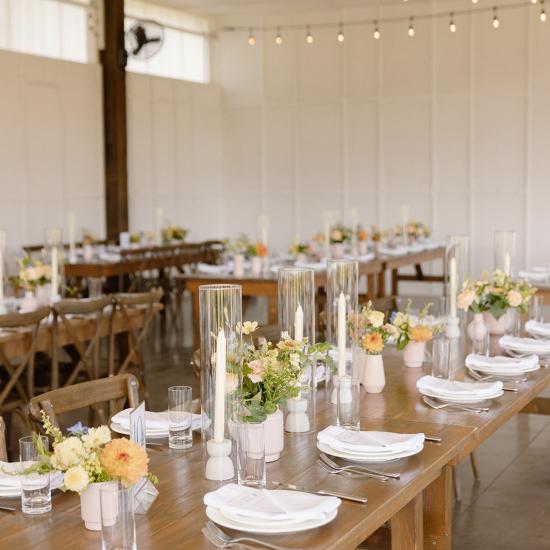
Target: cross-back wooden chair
[
  {"x": 116, "y": 391},
  {"x": 127, "y": 306},
  {"x": 17, "y": 356},
  {"x": 68, "y": 315},
  {"x": 3, "y": 449}
]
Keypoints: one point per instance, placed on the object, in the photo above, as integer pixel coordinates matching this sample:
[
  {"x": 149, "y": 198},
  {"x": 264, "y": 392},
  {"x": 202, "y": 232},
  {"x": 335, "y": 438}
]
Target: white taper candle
[
  {"x": 341, "y": 335},
  {"x": 452, "y": 287},
  {"x": 299, "y": 323}
]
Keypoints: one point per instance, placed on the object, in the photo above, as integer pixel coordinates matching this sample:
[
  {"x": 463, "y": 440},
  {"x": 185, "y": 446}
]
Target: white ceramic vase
[
  {"x": 301, "y": 258},
  {"x": 362, "y": 248},
  {"x": 256, "y": 266},
  {"x": 274, "y": 433},
  {"x": 477, "y": 329},
  {"x": 88, "y": 252},
  {"x": 238, "y": 265},
  {"x": 373, "y": 378},
  {"x": 413, "y": 354},
  {"x": 496, "y": 327},
  {"x": 43, "y": 294},
  {"x": 337, "y": 250},
  {"x": 29, "y": 302},
  {"x": 90, "y": 505}
]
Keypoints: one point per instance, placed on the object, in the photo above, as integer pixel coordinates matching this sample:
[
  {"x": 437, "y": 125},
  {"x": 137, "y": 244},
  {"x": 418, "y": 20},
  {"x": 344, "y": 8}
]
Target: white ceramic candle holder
[
  {"x": 219, "y": 466},
  {"x": 452, "y": 329},
  {"x": 297, "y": 420}
]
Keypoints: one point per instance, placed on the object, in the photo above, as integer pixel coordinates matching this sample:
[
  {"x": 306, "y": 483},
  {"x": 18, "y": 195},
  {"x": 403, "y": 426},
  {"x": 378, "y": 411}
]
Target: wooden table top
[{"x": 412, "y": 258}]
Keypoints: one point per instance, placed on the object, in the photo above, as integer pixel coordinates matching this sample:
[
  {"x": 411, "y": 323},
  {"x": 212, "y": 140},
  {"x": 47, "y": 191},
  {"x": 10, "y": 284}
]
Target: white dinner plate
[
  {"x": 462, "y": 399},
  {"x": 269, "y": 527},
  {"x": 363, "y": 457},
  {"x": 504, "y": 372},
  {"x": 258, "y": 522},
  {"x": 149, "y": 434},
  {"x": 538, "y": 329}
]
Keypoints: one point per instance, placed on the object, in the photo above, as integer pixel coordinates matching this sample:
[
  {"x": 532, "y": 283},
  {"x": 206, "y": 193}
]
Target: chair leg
[
  {"x": 473, "y": 462},
  {"x": 456, "y": 486}
]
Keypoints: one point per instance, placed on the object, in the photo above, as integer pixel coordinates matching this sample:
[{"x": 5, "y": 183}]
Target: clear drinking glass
[
  {"x": 95, "y": 287},
  {"x": 118, "y": 527},
  {"x": 347, "y": 404},
  {"x": 180, "y": 435},
  {"x": 251, "y": 454},
  {"x": 513, "y": 322},
  {"x": 441, "y": 355},
  {"x": 536, "y": 308},
  {"x": 36, "y": 495}
]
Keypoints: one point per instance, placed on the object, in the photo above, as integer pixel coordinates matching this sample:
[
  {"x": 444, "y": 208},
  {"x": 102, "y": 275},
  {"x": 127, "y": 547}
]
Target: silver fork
[
  {"x": 476, "y": 376},
  {"x": 491, "y": 377},
  {"x": 333, "y": 464},
  {"x": 458, "y": 406},
  {"x": 222, "y": 540},
  {"x": 362, "y": 473},
  {"x": 214, "y": 541}
]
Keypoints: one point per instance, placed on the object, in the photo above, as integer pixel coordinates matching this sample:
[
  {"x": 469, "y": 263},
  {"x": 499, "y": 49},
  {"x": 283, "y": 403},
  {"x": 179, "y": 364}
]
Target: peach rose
[
  {"x": 465, "y": 299},
  {"x": 514, "y": 298}
]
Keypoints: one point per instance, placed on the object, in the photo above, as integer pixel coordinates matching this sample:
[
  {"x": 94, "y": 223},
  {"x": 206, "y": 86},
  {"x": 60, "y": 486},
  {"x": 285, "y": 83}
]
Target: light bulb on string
[
  {"x": 542, "y": 15},
  {"x": 496, "y": 22},
  {"x": 376, "y": 33},
  {"x": 452, "y": 26},
  {"x": 340, "y": 33},
  {"x": 534, "y": 1},
  {"x": 251, "y": 38},
  {"x": 279, "y": 37},
  {"x": 474, "y": 1},
  {"x": 309, "y": 36},
  {"x": 411, "y": 27}
]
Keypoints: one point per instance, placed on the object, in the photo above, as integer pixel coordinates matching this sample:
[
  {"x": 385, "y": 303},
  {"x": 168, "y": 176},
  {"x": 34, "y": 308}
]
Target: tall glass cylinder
[
  {"x": 54, "y": 251},
  {"x": 297, "y": 318},
  {"x": 220, "y": 316},
  {"x": 505, "y": 251},
  {"x": 342, "y": 309},
  {"x": 458, "y": 247}
]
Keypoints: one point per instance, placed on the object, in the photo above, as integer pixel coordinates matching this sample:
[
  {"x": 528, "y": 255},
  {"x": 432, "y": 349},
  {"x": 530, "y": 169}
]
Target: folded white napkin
[
  {"x": 369, "y": 441},
  {"x": 316, "y": 266},
  {"x": 109, "y": 257},
  {"x": 362, "y": 258},
  {"x": 502, "y": 362},
  {"x": 536, "y": 276},
  {"x": 276, "y": 505},
  {"x": 431, "y": 245},
  {"x": 416, "y": 247},
  {"x": 529, "y": 345},
  {"x": 540, "y": 269},
  {"x": 10, "y": 479},
  {"x": 452, "y": 388},
  {"x": 397, "y": 251},
  {"x": 541, "y": 329},
  {"x": 210, "y": 268},
  {"x": 154, "y": 421}
]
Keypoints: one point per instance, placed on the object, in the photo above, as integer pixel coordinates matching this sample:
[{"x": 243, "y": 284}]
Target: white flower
[
  {"x": 465, "y": 299},
  {"x": 295, "y": 360},
  {"x": 285, "y": 335},
  {"x": 400, "y": 319},
  {"x": 514, "y": 298},
  {"x": 67, "y": 453},
  {"x": 376, "y": 318},
  {"x": 76, "y": 479},
  {"x": 231, "y": 382},
  {"x": 96, "y": 437},
  {"x": 248, "y": 327}
]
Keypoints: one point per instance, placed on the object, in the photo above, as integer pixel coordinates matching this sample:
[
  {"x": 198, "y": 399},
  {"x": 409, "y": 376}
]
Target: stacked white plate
[
  {"x": 533, "y": 276},
  {"x": 454, "y": 391},
  {"x": 368, "y": 446},
  {"x": 501, "y": 365},
  {"x": 10, "y": 482},
  {"x": 395, "y": 251},
  {"x": 269, "y": 511},
  {"x": 212, "y": 269},
  {"x": 156, "y": 423},
  {"x": 538, "y": 330},
  {"x": 525, "y": 346}
]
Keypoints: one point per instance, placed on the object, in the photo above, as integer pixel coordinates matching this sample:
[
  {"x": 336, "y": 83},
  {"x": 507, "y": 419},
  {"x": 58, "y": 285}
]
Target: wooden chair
[
  {"x": 20, "y": 383},
  {"x": 3, "y": 450},
  {"x": 116, "y": 391},
  {"x": 68, "y": 314}
]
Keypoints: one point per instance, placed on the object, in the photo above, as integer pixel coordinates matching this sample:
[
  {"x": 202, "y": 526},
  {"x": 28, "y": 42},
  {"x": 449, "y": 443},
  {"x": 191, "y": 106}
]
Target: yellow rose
[
  {"x": 76, "y": 479},
  {"x": 514, "y": 298},
  {"x": 376, "y": 318}
]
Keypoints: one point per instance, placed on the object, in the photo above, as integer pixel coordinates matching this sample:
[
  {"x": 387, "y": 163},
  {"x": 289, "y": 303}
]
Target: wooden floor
[{"x": 508, "y": 509}]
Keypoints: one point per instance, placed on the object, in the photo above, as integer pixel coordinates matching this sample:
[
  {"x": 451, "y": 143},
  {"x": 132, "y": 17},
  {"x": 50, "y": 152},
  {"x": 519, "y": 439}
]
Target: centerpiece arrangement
[
  {"x": 372, "y": 333},
  {"x": 417, "y": 231},
  {"x": 362, "y": 241},
  {"x": 339, "y": 236},
  {"x": 34, "y": 278},
  {"x": 300, "y": 250},
  {"x": 256, "y": 252},
  {"x": 236, "y": 250},
  {"x": 492, "y": 297},
  {"x": 173, "y": 234},
  {"x": 413, "y": 332},
  {"x": 89, "y": 458}
]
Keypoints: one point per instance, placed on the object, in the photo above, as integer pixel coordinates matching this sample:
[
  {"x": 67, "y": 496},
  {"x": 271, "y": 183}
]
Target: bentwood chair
[
  {"x": 84, "y": 322},
  {"x": 3, "y": 450},
  {"x": 114, "y": 391}
]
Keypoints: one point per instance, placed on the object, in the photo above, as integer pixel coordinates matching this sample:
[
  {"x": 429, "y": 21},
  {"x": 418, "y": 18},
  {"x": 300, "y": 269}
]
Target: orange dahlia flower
[
  {"x": 420, "y": 334},
  {"x": 373, "y": 342},
  {"x": 125, "y": 460}
]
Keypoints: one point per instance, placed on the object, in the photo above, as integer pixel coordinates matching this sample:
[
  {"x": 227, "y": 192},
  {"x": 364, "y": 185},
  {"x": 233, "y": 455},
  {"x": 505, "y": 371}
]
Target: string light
[
  {"x": 340, "y": 33},
  {"x": 411, "y": 27},
  {"x": 309, "y": 36},
  {"x": 279, "y": 37},
  {"x": 534, "y": 1},
  {"x": 251, "y": 38},
  {"x": 496, "y": 22},
  {"x": 474, "y": 1},
  {"x": 452, "y": 26},
  {"x": 376, "y": 33},
  {"x": 542, "y": 15}
]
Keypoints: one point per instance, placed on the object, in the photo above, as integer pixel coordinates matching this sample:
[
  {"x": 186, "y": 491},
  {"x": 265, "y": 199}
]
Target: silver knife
[
  {"x": 323, "y": 492},
  {"x": 433, "y": 438}
]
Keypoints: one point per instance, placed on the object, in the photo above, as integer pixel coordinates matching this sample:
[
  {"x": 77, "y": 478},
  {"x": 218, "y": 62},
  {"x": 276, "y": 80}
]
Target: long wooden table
[{"x": 418, "y": 505}]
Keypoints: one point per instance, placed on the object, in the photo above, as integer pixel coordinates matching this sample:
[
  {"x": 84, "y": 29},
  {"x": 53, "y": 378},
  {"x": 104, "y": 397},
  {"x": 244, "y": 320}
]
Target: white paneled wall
[
  {"x": 51, "y": 147},
  {"x": 174, "y": 148},
  {"x": 455, "y": 125}
]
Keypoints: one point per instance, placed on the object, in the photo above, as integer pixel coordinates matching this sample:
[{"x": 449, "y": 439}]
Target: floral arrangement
[
  {"x": 238, "y": 246},
  {"x": 417, "y": 230},
  {"x": 32, "y": 273},
  {"x": 257, "y": 249},
  {"x": 340, "y": 234},
  {"x": 362, "y": 235},
  {"x": 495, "y": 294},
  {"x": 89, "y": 455},
  {"x": 372, "y": 332},
  {"x": 299, "y": 248},
  {"x": 318, "y": 239},
  {"x": 377, "y": 234},
  {"x": 412, "y": 328},
  {"x": 173, "y": 233},
  {"x": 271, "y": 373},
  {"x": 88, "y": 238},
  {"x": 135, "y": 238}
]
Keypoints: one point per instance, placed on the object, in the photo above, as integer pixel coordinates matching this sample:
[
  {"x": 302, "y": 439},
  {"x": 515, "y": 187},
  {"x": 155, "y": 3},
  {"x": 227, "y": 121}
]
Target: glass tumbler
[
  {"x": 251, "y": 454},
  {"x": 118, "y": 527},
  {"x": 536, "y": 308},
  {"x": 180, "y": 435},
  {"x": 347, "y": 404},
  {"x": 36, "y": 495},
  {"x": 441, "y": 355}
]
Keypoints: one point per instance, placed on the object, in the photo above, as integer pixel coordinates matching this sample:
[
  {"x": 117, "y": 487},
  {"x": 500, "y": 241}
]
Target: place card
[{"x": 137, "y": 425}]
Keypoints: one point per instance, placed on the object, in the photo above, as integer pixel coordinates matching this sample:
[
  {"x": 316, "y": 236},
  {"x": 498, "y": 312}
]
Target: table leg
[
  {"x": 196, "y": 320},
  {"x": 438, "y": 510},
  {"x": 406, "y": 526},
  {"x": 272, "y": 314},
  {"x": 394, "y": 282},
  {"x": 371, "y": 286},
  {"x": 382, "y": 284}
]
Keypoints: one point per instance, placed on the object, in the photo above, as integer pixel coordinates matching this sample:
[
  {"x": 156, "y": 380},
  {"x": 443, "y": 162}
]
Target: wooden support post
[
  {"x": 438, "y": 511},
  {"x": 407, "y": 528},
  {"x": 113, "y": 60}
]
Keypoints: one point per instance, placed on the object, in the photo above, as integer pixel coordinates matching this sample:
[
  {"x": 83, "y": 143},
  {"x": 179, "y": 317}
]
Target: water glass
[
  {"x": 118, "y": 527},
  {"x": 180, "y": 435},
  {"x": 441, "y": 358},
  {"x": 36, "y": 497},
  {"x": 251, "y": 454},
  {"x": 535, "y": 308},
  {"x": 513, "y": 322},
  {"x": 348, "y": 395}
]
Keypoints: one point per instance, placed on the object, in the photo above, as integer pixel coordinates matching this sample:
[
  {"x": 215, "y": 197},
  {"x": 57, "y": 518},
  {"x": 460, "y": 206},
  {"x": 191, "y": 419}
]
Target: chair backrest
[
  {"x": 3, "y": 450},
  {"x": 117, "y": 391}
]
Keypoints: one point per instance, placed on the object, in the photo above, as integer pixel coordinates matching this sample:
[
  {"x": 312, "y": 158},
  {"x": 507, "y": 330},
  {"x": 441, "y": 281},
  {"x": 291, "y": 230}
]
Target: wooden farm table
[
  {"x": 264, "y": 285},
  {"x": 416, "y": 259}
]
